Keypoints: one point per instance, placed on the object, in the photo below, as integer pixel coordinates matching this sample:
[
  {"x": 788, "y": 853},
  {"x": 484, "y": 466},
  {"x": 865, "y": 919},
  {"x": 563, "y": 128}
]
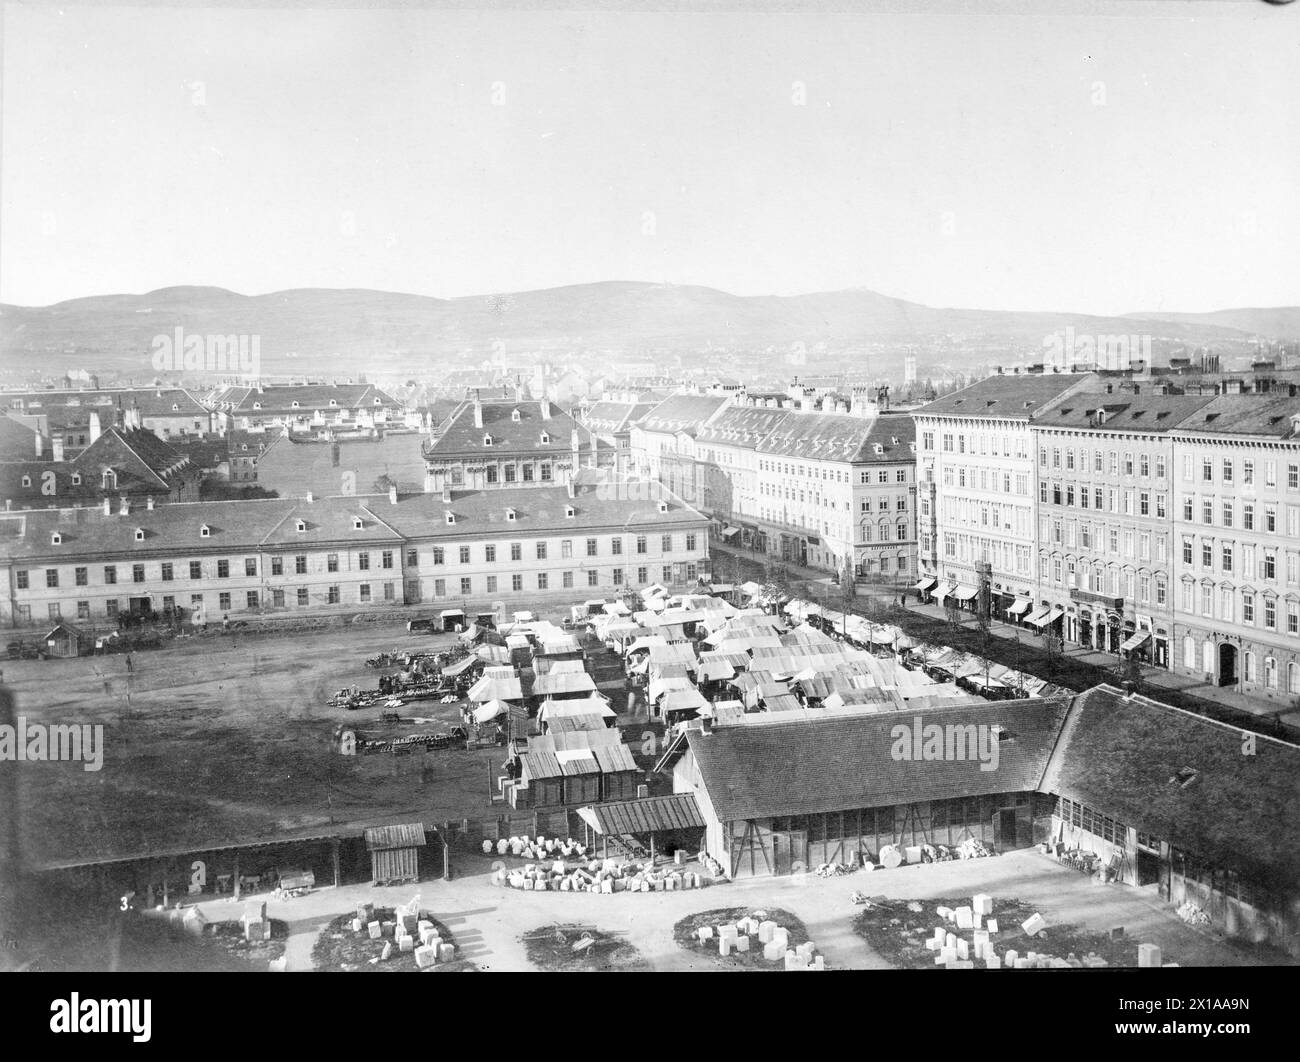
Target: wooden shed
[
  {"x": 395, "y": 853},
  {"x": 65, "y": 640}
]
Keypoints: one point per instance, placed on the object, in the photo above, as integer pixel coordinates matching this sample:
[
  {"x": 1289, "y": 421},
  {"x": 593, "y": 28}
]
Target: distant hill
[{"x": 343, "y": 331}]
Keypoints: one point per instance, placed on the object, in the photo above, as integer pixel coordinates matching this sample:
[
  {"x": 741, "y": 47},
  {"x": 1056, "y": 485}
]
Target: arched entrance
[{"x": 1227, "y": 664}]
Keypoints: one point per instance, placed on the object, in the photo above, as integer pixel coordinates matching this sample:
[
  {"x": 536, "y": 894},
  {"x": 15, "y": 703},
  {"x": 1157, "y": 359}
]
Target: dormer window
[
  {"x": 510, "y": 516},
  {"x": 295, "y": 403},
  {"x": 663, "y": 506},
  {"x": 27, "y": 481},
  {"x": 357, "y": 523},
  {"x": 206, "y": 532},
  {"x": 76, "y": 479},
  {"x": 56, "y": 539},
  {"x": 139, "y": 534},
  {"x": 451, "y": 518},
  {"x": 376, "y": 402},
  {"x": 301, "y": 525},
  {"x": 514, "y": 415},
  {"x": 175, "y": 408},
  {"x": 568, "y": 512},
  {"x": 877, "y": 448},
  {"x": 257, "y": 405},
  {"x": 487, "y": 440}
]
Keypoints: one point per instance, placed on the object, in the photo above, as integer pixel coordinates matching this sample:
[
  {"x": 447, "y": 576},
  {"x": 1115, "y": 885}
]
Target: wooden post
[
  {"x": 446, "y": 861},
  {"x": 652, "y": 849},
  {"x": 166, "y": 892},
  {"x": 604, "y": 846},
  {"x": 236, "y": 875},
  {"x": 334, "y": 845}
]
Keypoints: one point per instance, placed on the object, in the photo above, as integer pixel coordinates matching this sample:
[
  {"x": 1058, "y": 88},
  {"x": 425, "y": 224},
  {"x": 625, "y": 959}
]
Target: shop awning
[
  {"x": 965, "y": 593},
  {"x": 1039, "y": 617},
  {"x": 1135, "y": 641},
  {"x": 943, "y": 591},
  {"x": 451, "y": 613},
  {"x": 727, "y": 532},
  {"x": 464, "y": 664},
  {"x": 1020, "y": 606},
  {"x": 926, "y": 583},
  {"x": 1057, "y": 612}
]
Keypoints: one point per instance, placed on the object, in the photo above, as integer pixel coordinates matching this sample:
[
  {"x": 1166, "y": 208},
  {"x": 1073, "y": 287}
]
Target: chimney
[
  {"x": 568, "y": 486},
  {"x": 56, "y": 451},
  {"x": 148, "y": 503},
  {"x": 478, "y": 411},
  {"x": 392, "y": 495},
  {"x": 40, "y": 445},
  {"x": 95, "y": 428},
  {"x": 308, "y": 498},
  {"x": 446, "y": 495},
  {"x": 108, "y": 506},
  {"x": 546, "y": 409},
  {"x": 124, "y": 506}
]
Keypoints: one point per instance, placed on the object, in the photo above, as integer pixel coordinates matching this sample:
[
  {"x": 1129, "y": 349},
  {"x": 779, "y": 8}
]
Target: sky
[{"x": 1135, "y": 158}]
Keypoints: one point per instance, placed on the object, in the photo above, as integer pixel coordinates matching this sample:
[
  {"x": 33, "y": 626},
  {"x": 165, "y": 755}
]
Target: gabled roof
[
  {"x": 1011, "y": 396},
  {"x": 1122, "y": 755},
  {"x": 138, "y": 457},
  {"x": 384, "y": 838},
  {"x": 837, "y": 763},
  {"x": 17, "y": 441}
]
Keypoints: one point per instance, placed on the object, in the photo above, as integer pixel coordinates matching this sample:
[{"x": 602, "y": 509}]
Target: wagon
[{"x": 296, "y": 882}]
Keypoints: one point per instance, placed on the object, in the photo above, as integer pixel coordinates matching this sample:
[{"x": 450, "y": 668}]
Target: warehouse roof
[
  {"x": 840, "y": 762},
  {"x": 383, "y": 838},
  {"x": 1185, "y": 779}
]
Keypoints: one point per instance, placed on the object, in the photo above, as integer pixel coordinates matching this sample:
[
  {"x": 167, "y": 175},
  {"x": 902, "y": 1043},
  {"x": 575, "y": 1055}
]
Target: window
[
  {"x": 277, "y": 567},
  {"x": 223, "y": 601},
  {"x": 591, "y": 547},
  {"x": 1247, "y": 607},
  {"x": 516, "y": 582},
  {"x": 491, "y": 584},
  {"x": 412, "y": 558},
  {"x": 332, "y": 595},
  {"x": 545, "y": 471},
  {"x": 137, "y": 573},
  {"x": 1226, "y": 557},
  {"x": 1248, "y": 517},
  {"x": 542, "y": 581},
  {"x": 566, "y": 580},
  {"x": 196, "y": 572},
  {"x": 252, "y": 599},
  {"x": 81, "y": 575},
  {"x": 666, "y": 543},
  {"x": 1270, "y": 519},
  {"x": 110, "y": 574},
  {"x": 440, "y": 588},
  {"x": 465, "y": 585},
  {"x": 527, "y": 471},
  {"x": 1270, "y": 564},
  {"x": 1207, "y": 512},
  {"x": 566, "y": 548},
  {"x": 223, "y": 569},
  {"x": 332, "y": 562},
  {"x": 1187, "y": 510},
  {"x": 643, "y": 575},
  {"x": 111, "y": 606},
  {"x": 83, "y": 610},
  {"x": 491, "y": 473},
  {"x": 618, "y": 576},
  {"x": 1207, "y": 470},
  {"x": 593, "y": 578},
  {"x": 363, "y": 562},
  {"x": 1293, "y": 477},
  {"x": 300, "y": 564},
  {"x": 22, "y": 579},
  {"x": 1248, "y": 471},
  {"x": 1270, "y": 613},
  {"x": 509, "y": 473},
  {"x": 463, "y": 554},
  {"x": 1207, "y": 555},
  {"x": 277, "y": 599},
  {"x": 516, "y": 551},
  {"x": 541, "y": 551},
  {"x": 439, "y": 556},
  {"x": 616, "y": 546}
]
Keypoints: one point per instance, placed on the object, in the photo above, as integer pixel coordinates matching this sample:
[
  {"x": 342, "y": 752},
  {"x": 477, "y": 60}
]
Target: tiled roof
[
  {"x": 151, "y": 401},
  {"x": 1009, "y": 395},
  {"x": 842, "y": 762},
  {"x": 138, "y": 457},
  {"x": 682, "y": 412},
  {"x": 17, "y": 441},
  {"x": 742, "y": 426},
  {"x": 1136, "y": 413},
  {"x": 309, "y": 397},
  {"x": 296, "y": 467},
  {"x": 461, "y": 436},
  {"x": 838, "y": 437},
  {"x": 1268, "y": 416},
  {"x": 609, "y": 417},
  {"x": 1122, "y": 756}
]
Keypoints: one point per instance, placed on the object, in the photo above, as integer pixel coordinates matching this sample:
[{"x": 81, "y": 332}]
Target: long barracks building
[{"x": 236, "y": 558}]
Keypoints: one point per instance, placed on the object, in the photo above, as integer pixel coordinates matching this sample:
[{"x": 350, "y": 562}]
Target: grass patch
[
  {"x": 897, "y": 931},
  {"x": 686, "y": 933},
  {"x": 563, "y": 949},
  {"x": 339, "y": 949}
]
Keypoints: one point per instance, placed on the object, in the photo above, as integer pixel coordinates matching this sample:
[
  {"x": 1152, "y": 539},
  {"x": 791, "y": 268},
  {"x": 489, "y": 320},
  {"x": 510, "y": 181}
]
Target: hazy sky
[{"x": 1107, "y": 163}]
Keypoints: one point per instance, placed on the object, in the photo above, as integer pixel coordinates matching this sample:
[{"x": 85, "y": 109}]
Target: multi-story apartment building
[
  {"x": 663, "y": 442},
  {"x": 74, "y": 419},
  {"x": 610, "y": 419},
  {"x": 977, "y": 506},
  {"x": 1236, "y": 532},
  {"x": 214, "y": 559},
  {"x": 1105, "y": 490},
  {"x": 505, "y": 443}
]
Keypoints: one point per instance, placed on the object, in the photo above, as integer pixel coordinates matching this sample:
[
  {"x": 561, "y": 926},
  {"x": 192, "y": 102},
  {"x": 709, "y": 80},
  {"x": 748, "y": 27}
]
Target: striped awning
[
  {"x": 943, "y": 591},
  {"x": 926, "y": 583},
  {"x": 965, "y": 593},
  {"x": 727, "y": 532},
  {"x": 1040, "y": 617},
  {"x": 1135, "y": 641},
  {"x": 1020, "y": 606}
]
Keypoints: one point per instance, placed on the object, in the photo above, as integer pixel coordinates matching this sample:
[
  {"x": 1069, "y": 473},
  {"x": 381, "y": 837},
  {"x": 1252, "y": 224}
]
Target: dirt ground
[
  {"x": 228, "y": 738},
  {"x": 491, "y": 924}
]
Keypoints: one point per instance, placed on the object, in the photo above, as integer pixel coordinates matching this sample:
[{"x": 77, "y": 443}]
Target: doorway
[
  {"x": 1004, "y": 829},
  {"x": 788, "y": 849},
  {"x": 1227, "y": 664},
  {"x": 1148, "y": 868}
]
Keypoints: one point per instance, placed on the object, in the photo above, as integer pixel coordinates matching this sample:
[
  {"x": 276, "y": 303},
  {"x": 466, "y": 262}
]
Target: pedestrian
[{"x": 130, "y": 667}]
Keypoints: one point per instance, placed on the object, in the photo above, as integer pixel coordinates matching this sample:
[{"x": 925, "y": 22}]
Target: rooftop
[{"x": 1018, "y": 396}]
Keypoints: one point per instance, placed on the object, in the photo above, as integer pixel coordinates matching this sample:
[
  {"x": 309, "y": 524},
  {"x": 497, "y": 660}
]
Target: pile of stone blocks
[
  {"x": 597, "y": 876},
  {"x": 537, "y": 848}
]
